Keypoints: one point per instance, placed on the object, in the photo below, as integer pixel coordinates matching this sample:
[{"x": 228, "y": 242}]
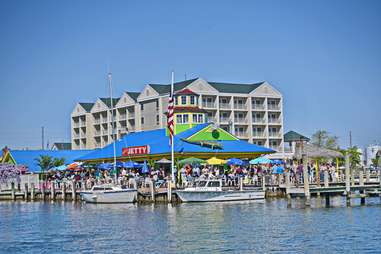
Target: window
[
  {"x": 185, "y": 118},
  {"x": 192, "y": 100},
  {"x": 224, "y": 101},
  {"x": 183, "y": 100},
  {"x": 157, "y": 120},
  {"x": 142, "y": 120},
  {"x": 157, "y": 104},
  {"x": 200, "y": 118},
  {"x": 179, "y": 118},
  {"x": 214, "y": 184},
  {"x": 194, "y": 118},
  {"x": 259, "y": 143},
  {"x": 142, "y": 106},
  {"x": 176, "y": 100}
]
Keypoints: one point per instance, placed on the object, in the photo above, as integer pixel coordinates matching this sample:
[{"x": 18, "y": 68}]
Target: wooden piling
[
  {"x": 240, "y": 184},
  {"x": 326, "y": 179},
  {"x": 263, "y": 182},
  {"x": 63, "y": 191},
  {"x": 347, "y": 180},
  {"x": 287, "y": 182},
  {"x": 26, "y": 192},
  {"x": 43, "y": 191},
  {"x": 169, "y": 191},
  {"x": 152, "y": 190},
  {"x": 73, "y": 190},
  {"x": 327, "y": 200},
  {"x": 13, "y": 191},
  {"x": 52, "y": 191},
  {"x": 32, "y": 192},
  {"x": 305, "y": 180}
]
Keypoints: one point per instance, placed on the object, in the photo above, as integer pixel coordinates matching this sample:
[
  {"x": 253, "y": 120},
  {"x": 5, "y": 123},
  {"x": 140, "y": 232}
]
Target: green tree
[
  {"x": 354, "y": 156},
  {"x": 58, "y": 162},
  {"x": 45, "y": 162},
  {"x": 321, "y": 138}
]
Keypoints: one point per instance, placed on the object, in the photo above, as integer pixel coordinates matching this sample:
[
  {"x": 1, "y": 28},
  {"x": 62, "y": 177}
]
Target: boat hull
[
  {"x": 104, "y": 197},
  {"x": 219, "y": 196}
]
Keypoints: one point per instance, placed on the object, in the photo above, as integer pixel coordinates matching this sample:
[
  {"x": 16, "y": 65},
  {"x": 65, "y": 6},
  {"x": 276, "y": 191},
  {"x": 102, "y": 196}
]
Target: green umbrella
[{"x": 191, "y": 160}]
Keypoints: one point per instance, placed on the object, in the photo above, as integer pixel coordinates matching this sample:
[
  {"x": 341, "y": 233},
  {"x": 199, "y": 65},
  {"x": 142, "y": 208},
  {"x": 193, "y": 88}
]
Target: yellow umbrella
[{"x": 215, "y": 161}]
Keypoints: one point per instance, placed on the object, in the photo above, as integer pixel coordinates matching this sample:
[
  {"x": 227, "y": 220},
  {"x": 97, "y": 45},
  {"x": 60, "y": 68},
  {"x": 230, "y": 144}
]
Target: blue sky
[{"x": 324, "y": 56}]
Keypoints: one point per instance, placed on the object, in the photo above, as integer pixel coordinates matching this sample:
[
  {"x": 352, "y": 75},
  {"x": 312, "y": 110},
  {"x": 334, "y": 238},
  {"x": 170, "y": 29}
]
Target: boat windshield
[
  {"x": 101, "y": 188},
  {"x": 201, "y": 183}
]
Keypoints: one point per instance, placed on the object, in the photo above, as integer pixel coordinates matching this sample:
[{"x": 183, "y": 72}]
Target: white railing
[
  {"x": 225, "y": 105},
  {"x": 208, "y": 104},
  {"x": 274, "y": 135},
  {"x": 256, "y": 106},
  {"x": 271, "y": 120},
  {"x": 122, "y": 117},
  {"x": 259, "y": 134},
  {"x": 97, "y": 121},
  {"x": 239, "y": 106},
  {"x": 241, "y": 134},
  {"x": 131, "y": 115},
  {"x": 224, "y": 119},
  {"x": 273, "y": 107},
  {"x": 75, "y": 124},
  {"x": 259, "y": 120},
  {"x": 240, "y": 120}
]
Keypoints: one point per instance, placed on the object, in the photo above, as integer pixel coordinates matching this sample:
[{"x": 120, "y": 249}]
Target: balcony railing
[
  {"x": 224, "y": 119},
  {"x": 75, "y": 124},
  {"x": 240, "y": 120},
  {"x": 97, "y": 133},
  {"x": 239, "y": 106},
  {"x": 131, "y": 115},
  {"x": 272, "y": 120},
  {"x": 225, "y": 105},
  {"x": 104, "y": 120},
  {"x": 76, "y": 136},
  {"x": 260, "y": 134},
  {"x": 257, "y": 106},
  {"x": 208, "y": 104},
  {"x": 212, "y": 119},
  {"x": 273, "y": 107},
  {"x": 122, "y": 117},
  {"x": 241, "y": 133},
  {"x": 104, "y": 132},
  {"x": 259, "y": 120},
  {"x": 275, "y": 135},
  {"x": 97, "y": 121}
]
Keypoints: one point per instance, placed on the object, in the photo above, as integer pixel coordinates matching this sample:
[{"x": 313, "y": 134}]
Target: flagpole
[{"x": 173, "y": 140}]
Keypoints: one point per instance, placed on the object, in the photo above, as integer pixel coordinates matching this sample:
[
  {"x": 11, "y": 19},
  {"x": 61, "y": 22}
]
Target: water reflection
[{"x": 243, "y": 227}]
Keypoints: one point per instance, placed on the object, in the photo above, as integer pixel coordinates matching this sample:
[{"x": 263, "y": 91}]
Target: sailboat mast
[{"x": 112, "y": 124}]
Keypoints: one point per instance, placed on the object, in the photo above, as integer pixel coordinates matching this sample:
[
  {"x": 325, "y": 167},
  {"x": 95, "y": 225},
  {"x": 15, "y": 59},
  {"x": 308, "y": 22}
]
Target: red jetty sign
[{"x": 135, "y": 150}]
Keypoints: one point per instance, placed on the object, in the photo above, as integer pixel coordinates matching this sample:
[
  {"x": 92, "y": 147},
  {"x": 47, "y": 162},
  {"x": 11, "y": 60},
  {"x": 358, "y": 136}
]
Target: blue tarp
[
  {"x": 131, "y": 164},
  {"x": 159, "y": 144}
]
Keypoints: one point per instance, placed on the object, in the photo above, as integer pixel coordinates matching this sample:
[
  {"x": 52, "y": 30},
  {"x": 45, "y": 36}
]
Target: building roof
[
  {"x": 159, "y": 144},
  {"x": 163, "y": 89},
  {"x": 186, "y": 91},
  {"x": 294, "y": 136},
  {"x": 234, "y": 87},
  {"x": 62, "y": 146},
  {"x": 86, "y": 105},
  {"x": 133, "y": 95},
  {"x": 28, "y": 157},
  {"x": 107, "y": 101}
]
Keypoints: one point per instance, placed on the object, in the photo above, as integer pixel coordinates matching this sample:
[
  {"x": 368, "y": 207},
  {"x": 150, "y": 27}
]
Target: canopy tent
[
  {"x": 260, "y": 160},
  {"x": 234, "y": 161},
  {"x": 105, "y": 166},
  {"x": 191, "y": 160},
  {"x": 312, "y": 151},
  {"x": 215, "y": 161},
  {"x": 163, "y": 161},
  {"x": 118, "y": 164}
]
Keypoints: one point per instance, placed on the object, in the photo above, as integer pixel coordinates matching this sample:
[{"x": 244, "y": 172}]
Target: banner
[{"x": 135, "y": 150}]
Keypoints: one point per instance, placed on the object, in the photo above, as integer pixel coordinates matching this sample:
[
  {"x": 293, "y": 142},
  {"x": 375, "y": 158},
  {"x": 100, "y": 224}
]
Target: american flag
[{"x": 170, "y": 115}]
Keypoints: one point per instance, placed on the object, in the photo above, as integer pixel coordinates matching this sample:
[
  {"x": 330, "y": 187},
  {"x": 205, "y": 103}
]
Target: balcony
[
  {"x": 259, "y": 134},
  {"x": 97, "y": 121},
  {"x": 122, "y": 117},
  {"x": 105, "y": 132},
  {"x": 273, "y": 107},
  {"x": 240, "y": 120},
  {"x": 259, "y": 120},
  {"x": 257, "y": 107},
  {"x": 275, "y": 135},
  {"x": 75, "y": 124},
  {"x": 97, "y": 133},
  {"x": 274, "y": 121},
  {"x": 224, "y": 119},
  {"x": 76, "y": 136},
  {"x": 212, "y": 119},
  {"x": 206, "y": 104},
  {"x": 131, "y": 115},
  {"x": 225, "y": 105},
  {"x": 104, "y": 120},
  {"x": 241, "y": 134},
  {"x": 240, "y": 106}
]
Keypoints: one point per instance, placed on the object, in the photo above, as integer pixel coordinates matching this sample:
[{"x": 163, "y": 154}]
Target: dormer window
[{"x": 183, "y": 100}]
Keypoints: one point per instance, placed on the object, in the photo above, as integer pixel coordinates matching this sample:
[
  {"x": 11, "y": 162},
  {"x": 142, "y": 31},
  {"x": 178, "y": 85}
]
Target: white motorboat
[
  {"x": 212, "y": 190},
  {"x": 108, "y": 193}
]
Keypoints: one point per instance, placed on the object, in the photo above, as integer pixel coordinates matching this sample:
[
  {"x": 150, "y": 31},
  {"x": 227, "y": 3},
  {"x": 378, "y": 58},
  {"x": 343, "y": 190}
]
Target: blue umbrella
[
  {"x": 131, "y": 164},
  {"x": 105, "y": 166},
  {"x": 60, "y": 168},
  {"x": 119, "y": 164},
  {"x": 145, "y": 168},
  {"x": 261, "y": 160},
  {"x": 235, "y": 161},
  {"x": 277, "y": 161}
]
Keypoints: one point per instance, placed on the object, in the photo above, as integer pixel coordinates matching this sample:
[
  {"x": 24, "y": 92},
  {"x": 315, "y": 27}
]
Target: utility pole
[
  {"x": 350, "y": 139},
  {"x": 42, "y": 137}
]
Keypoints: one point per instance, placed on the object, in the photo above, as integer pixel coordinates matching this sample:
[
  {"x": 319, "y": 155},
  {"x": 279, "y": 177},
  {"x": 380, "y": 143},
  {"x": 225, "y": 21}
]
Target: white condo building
[{"x": 252, "y": 112}]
